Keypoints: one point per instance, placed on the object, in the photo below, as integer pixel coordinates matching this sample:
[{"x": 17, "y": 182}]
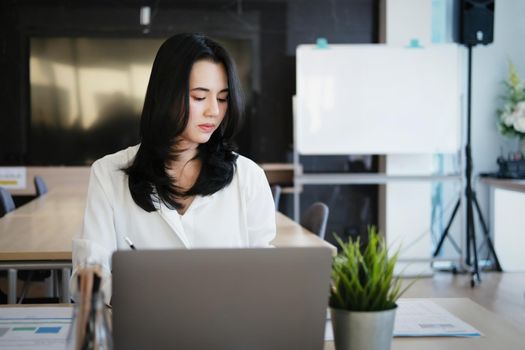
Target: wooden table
[
  {"x": 291, "y": 234},
  {"x": 498, "y": 333},
  {"x": 506, "y": 184},
  {"x": 38, "y": 235},
  {"x": 42, "y": 229}
]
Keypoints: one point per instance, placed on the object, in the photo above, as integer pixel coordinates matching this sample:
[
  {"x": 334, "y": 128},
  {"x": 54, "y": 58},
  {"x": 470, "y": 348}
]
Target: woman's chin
[{"x": 203, "y": 139}]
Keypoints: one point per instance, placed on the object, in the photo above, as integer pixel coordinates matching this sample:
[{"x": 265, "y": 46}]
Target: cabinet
[{"x": 507, "y": 205}]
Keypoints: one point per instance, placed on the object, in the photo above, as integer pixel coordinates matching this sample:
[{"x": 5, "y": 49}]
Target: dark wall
[
  {"x": 12, "y": 84},
  {"x": 275, "y": 27}
]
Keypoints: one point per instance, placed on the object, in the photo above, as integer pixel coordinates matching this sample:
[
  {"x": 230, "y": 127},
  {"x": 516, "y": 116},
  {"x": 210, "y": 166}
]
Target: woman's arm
[
  {"x": 97, "y": 240},
  {"x": 260, "y": 210}
]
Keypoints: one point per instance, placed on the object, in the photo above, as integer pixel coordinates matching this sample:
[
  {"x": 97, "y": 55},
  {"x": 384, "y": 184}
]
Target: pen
[{"x": 130, "y": 243}]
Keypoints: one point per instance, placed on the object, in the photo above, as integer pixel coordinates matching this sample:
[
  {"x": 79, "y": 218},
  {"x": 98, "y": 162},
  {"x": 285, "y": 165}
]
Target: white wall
[
  {"x": 408, "y": 205},
  {"x": 407, "y": 20},
  {"x": 489, "y": 69}
]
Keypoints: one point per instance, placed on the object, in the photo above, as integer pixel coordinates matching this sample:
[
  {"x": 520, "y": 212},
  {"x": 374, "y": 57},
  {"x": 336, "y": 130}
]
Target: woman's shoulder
[
  {"x": 250, "y": 177},
  {"x": 246, "y": 165},
  {"x": 115, "y": 161},
  {"x": 248, "y": 172}
]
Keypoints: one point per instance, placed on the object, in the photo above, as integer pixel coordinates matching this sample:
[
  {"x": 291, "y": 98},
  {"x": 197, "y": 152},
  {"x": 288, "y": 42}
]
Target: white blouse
[{"x": 240, "y": 215}]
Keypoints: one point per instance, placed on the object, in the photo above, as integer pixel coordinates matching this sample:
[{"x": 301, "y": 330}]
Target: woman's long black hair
[{"x": 165, "y": 116}]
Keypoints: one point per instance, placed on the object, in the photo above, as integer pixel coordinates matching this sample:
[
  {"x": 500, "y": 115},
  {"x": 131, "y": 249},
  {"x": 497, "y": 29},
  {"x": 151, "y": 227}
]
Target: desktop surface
[{"x": 498, "y": 333}]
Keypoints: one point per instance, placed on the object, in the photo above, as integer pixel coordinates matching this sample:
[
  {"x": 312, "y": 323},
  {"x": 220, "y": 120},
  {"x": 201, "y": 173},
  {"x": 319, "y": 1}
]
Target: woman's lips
[{"x": 206, "y": 127}]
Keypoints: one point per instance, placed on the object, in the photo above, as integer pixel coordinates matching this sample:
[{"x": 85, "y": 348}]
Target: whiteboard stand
[{"x": 332, "y": 88}]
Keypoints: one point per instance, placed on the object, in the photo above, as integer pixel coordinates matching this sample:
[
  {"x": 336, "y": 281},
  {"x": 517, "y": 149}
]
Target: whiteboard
[{"x": 378, "y": 99}]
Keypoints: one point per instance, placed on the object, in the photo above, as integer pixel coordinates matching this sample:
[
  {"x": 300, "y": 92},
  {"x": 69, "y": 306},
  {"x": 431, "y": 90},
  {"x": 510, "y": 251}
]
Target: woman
[{"x": 183, "y": 186}]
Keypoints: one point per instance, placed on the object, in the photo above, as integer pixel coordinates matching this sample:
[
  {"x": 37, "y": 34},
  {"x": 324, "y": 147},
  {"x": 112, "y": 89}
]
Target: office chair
[
  {"x": 276, "y": 193},
  {"x": 30, "y": 276},
  {"x": 7, "y": 205},
  {"x": 315, "y": 217},
  {"x": 6, "y": 202},
  {"x": 40, "y": 186}
]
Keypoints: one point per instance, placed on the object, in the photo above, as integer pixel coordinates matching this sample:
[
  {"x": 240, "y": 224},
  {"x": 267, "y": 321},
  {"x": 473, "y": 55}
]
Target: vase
[{"x": 363, "y": 330}]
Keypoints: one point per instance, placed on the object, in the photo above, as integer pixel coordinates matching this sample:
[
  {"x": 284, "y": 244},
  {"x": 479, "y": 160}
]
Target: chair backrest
[
  {"x": 40, "y": 186},
  {"x": 276, "y": 193},
  {"x": 315, "y": 217},
  {"x": 6, "y": 202}
]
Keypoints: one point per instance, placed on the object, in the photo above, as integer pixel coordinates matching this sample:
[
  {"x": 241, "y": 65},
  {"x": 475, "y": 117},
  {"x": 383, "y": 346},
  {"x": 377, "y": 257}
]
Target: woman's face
[{"x": 208, "y": 94}]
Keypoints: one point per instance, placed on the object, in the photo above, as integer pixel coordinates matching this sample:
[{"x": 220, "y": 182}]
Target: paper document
[
  {"x": 423, "y": 318},
  {"x": 43, "y": 328}
]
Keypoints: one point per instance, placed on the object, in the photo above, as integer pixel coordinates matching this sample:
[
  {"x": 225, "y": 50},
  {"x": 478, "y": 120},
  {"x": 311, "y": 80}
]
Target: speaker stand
[{"x": 471, "y": 259}]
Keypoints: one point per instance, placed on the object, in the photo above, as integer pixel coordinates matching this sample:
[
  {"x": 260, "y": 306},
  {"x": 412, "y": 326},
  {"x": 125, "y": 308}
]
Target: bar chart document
[{"x": 43, "y": 328}]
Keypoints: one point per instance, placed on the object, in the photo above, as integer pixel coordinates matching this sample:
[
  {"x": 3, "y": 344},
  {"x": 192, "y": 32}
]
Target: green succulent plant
[{"x": 363, "y": 280}]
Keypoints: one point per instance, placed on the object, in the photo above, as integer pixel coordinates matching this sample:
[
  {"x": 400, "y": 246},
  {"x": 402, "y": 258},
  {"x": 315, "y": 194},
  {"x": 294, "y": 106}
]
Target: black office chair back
[
  {"x": 315, "y": 217},
  {"x": 6, "y": 202},
  {"x": 40, "y": 186},
  {"x": 276, "y": 193}
]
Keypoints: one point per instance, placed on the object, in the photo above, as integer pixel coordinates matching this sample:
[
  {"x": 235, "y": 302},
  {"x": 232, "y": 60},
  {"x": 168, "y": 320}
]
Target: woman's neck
[
  {"x": 186, "y": 151},
  {"x": 185, "y": 157},
  {"x": 186, "y": 168}
]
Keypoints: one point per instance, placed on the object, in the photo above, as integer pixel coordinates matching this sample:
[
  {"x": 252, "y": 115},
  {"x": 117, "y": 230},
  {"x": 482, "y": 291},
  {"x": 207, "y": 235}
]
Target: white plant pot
[{"x": 363, "y": 330}]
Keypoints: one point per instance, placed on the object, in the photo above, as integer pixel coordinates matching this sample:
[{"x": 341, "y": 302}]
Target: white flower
[
  {"x": 520, "y": 107},
  {"x": 515, "y": 114},
  {"x": 507, "y": 119},
  {"x": 518, "y": 112},
  {"x": 519, "y": 123}
]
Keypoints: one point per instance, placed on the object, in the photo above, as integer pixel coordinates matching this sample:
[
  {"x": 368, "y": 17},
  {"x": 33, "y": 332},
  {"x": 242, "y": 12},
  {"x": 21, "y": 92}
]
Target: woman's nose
[{"x": 212, "y": 109}]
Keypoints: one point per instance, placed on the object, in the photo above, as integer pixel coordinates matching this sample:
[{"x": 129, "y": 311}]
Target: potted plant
[{"x": 363, "y": 294}]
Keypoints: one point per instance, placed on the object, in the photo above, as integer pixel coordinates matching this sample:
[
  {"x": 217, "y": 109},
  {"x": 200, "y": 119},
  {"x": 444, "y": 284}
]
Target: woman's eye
[
  {"x": 197, "y": 98},
  {"x": 222, "y": 100}
]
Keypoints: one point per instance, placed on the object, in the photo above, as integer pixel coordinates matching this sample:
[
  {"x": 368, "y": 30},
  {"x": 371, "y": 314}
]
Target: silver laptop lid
[{"x": 221, "y": 298}]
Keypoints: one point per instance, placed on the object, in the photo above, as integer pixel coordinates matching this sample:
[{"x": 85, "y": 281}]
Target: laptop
[{"x": 267, "y": 298}]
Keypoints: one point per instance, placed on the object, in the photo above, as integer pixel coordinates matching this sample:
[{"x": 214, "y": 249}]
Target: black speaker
[{"x": 476, "y": 22}]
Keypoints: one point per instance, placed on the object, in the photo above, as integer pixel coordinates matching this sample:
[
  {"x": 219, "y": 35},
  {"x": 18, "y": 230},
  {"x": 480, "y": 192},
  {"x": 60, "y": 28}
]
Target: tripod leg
[
  {"x": 445, "y": 233},
  {"x": 471, "y": 237},
  {"x": 486, "y": 232},
  {"x": 454, "y": 244}
]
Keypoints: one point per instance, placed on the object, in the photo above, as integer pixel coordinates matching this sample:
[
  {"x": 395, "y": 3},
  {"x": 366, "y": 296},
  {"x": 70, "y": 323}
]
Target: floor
[{"x": 502, "y": 293}]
